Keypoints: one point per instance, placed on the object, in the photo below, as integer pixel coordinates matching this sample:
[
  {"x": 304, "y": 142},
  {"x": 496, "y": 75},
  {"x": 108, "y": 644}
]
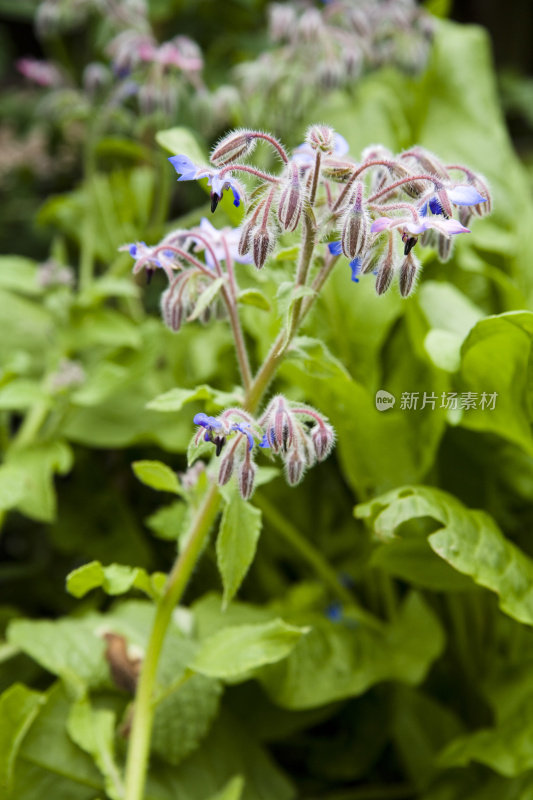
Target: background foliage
[{"x": 376, "y": 655}]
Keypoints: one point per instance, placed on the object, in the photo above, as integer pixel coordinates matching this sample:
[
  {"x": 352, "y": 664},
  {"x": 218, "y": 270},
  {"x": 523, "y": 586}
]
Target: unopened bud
[
  {"x": 321, "y": 137},
  {"x": 371, "y": 260},
  {"x": 262, "y": 244},
  {"x": 355, "y": 232},
  {"x": 408, "y": 272},
  {"x": 310, "y": 24},
  {"x": 294, "y": 468},
  {"x": 481, "y": 209},
  {"x": 427, "y": 161},
  {"x": 245, "y": 239},
  {"x": 282, "y": 21},
  {"x": 235, "y": 145},
  {"x": 226, "y": 468},
  {"x": 323, "y": 437},
  {"x": 385, "y": 273},
  {"x": 247, "y": 472},
  {"x": 444, "y": 247},
  {"x": 172, "y": 308},
  {"x": 290, "y": 204},
  {"x": 444, "y": 202}
]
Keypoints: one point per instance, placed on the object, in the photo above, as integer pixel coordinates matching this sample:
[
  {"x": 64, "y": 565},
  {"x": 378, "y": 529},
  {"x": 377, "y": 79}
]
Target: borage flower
[
  {"x": 335, "y": 248},
  {"x": 147, "y": 258},
  {"x": 224, "y": 243},
  {"x": 218, "y": 182}
]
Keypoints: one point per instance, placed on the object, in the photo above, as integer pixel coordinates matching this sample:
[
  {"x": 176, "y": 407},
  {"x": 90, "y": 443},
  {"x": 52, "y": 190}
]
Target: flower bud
[
  {"x": 245, "y": 239},
  {"x": 262, "y": 244},
  {"x": 226, "y": 468},
  {"x": 237, "y": 144},
  {"x": 371, "y": 260},
  {"x": 282, "y": 21},
  {"x": 172, "y": 305},
  {"x": 385, "y": 273},
  {"x": 481, "y": 209},
  {"x": 290, "y": 203},
  {"x": 310, "y": 24},
  {"x": 444, "y": 247},
  {"x": 247, "y": 472},
  {"x": 355, "y": 232},
  {"x": 412, "y": 188},
  {"x": 322, "y": 138},
  {"x": 323, "y": 438},
  {"x": 294, "y": 468},
  {"x": 408, "y": 272}
]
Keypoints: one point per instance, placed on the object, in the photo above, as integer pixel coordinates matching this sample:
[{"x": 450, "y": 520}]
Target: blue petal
[
  {"x": 236, "y": 196},
  {"x": 133, "y": 250},
  {"x": 184, "y": 167},
  {"x": 335, "y": 248},
  {"x": 264, "y": 441},
  {"x": 435, "y": 206},
  {"x": 201, "y": 419},
  {"x": 424, "y": 210},
  {"x": 355, "y": 265},
  {"x": 465, "y": 196}
]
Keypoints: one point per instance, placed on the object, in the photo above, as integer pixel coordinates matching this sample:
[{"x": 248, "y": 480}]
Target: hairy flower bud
[
  {"x": 323, "y": 438},
  {"x": 282, "y": 21},
  {"x": 237, "y": 144},
  {"x": 246, "y": 479},
  {"x": 173, "y": 307},
  {"x": 262, "y": 244},
  {"x": 408, "y": 271},
  {"x": 226, "y": 468},
  {"x": 294, "y": 468},
  {"x": 290, "y": 203},
  {"x": 355, "y": 234},
  {"x": 444, "y": 247},
  {"x": 321, "y": 137},
  {"x": 310, "y": 24},
  {"x": 413, "y": 188},
  {"x": 385, "y": 273}
]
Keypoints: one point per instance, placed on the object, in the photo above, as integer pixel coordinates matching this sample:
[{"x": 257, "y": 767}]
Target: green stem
[
  {"x": 143, "y": 717},
  {"x": 32, "y": 423}
]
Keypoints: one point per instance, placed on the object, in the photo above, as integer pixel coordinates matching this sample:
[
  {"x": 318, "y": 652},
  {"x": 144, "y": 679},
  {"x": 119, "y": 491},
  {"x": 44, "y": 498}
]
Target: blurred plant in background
[{"x": 385, "y": 654}]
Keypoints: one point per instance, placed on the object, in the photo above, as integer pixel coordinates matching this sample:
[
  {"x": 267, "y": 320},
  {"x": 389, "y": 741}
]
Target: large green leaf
[
  {"x": 114, "y": 579},
  {"x": 18, "y": 708},
  {"x": 468, "y": 540},
  {"x": 335, "y": 661},
  {"x": 93, "y": 730},
  {"x": 237, "y": 651},
  {"x": 237, "y": 542}
]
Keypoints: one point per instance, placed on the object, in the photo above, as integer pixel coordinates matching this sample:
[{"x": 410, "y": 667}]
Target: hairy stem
[{"x": 143, "y": 716}]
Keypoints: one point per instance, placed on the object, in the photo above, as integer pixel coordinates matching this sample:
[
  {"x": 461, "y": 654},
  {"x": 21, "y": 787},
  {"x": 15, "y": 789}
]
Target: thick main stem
[
  {"x": 139, "y": 746},
  {"x": 143, "y": 716}
]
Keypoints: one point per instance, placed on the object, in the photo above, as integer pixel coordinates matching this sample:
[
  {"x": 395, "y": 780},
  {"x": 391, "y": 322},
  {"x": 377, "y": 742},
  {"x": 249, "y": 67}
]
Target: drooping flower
[
  {"x": 147, "y": 258},
  {"x": 188, "y": 171},
  {"x": 224, "y": 243},
  {"x": 335, "y": 248}
]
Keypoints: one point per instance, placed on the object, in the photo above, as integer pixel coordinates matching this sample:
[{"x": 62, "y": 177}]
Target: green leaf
[
  {"x": 94, "y": 732},
  {"x": 68, "y": 648},
  {"x": 12, "y": 486},
  {"x": 468, "y": 540},
  {"x": 232, "y": 790},
  {"x": 238, "y": 650},
  {"x": 236, "y": 543},
  {"x": 175, "y": 399},
  {"x": 334, "y": 662},
  {"x": 114, "y": 579},
  {"x": 38, "y": 463},
  {"x": 496, "y": 358},
  {"x": 181, "y": 141},
  {"x": 206, "y": 297},
  {"x": 157, "y": 476},
  {"x": 18, "y": 708},
  {"x": 253, "y": 297},
  {"x": 20, "y": 275},
  {"x": 168, "y": 522},
  {"x": 21, "y": 394},
  {"x": 506, "y": 748}
]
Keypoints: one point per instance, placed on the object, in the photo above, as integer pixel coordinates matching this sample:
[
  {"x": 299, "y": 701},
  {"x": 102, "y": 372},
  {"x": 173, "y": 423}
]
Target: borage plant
[{"x": 376, "y": 213}]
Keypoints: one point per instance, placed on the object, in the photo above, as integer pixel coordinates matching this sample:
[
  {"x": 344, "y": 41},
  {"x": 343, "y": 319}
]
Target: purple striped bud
[
  {"x": 290, "y": 203},
  {"x": 323, "y": 438},
  {"x": 226, "y": 468},
  {"x": 245, "y": 240},
  {"x": 173, "y": 303},
  {"x": 371, "y": 260},
  {"x": 262, "y": 244},
  {"x": 481, "y": 209},
  {"x": 294, "y": 468},
  {"x": 355, "y": 233},
  {"x": 385, "y": 273},
  {"x": 238, "y": 144},
  {"x": 321, "y": 137},
  {"x": 444, "y": 247},
  {"x": 408, "y": 271},
  {"x": 247, "y": 472},
  {"x": 412, "y": 188}
]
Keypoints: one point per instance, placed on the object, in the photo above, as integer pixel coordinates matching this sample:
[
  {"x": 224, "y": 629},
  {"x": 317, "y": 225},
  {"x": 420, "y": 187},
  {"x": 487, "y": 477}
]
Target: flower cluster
[
  {"x": 296, "y": 432},
  {"x": 325, "y": 48},
  {"x": 380, "y": 206},
  {"x": 197, "y": 289}
]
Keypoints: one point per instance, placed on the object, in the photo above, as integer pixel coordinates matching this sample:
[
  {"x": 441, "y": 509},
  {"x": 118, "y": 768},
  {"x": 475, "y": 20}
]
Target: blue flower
[
  {"x": 465, "y": 195},
  {"x": 334, "y": 612},
  {"x": 190, "y": 172},
  {"x": 207, "y": 422},
  {"x": 335, "y": 248},
  {"x": 244, "y": 427}
]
